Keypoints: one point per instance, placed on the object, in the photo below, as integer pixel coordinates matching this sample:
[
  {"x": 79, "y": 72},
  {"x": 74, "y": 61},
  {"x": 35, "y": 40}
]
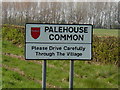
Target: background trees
[{"x": 100, "y": 14}]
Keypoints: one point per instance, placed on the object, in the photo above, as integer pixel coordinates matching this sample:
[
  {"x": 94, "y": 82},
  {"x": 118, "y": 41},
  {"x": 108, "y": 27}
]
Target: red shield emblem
[{"x": 35, "y": 32}]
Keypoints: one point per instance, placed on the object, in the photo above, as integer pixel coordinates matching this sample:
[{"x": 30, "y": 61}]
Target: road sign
[{"x": 58, "y": 41}]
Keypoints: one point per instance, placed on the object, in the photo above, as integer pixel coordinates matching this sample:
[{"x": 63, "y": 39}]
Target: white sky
[{"x": 59, "y": 0}]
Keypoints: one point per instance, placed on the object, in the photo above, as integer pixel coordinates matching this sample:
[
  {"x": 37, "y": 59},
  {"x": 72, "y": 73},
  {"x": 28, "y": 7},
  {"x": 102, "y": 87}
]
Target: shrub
[
  {"x": 13, "y": 34},
  {"x": 105, "y": 49}
]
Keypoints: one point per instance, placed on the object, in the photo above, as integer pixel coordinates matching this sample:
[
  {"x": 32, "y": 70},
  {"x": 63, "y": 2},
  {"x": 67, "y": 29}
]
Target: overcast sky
[{"x": 60, "y": 0}]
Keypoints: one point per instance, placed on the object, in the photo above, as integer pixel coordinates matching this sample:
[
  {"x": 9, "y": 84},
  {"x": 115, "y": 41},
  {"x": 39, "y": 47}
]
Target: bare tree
[{"x": 100, "y": 14}]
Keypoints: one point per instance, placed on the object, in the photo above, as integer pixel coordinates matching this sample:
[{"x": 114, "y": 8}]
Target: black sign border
[{"x": 61, "y": 59}]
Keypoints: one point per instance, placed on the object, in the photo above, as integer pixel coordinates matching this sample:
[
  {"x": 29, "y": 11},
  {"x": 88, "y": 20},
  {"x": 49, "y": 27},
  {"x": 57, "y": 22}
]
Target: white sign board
[{"x": 58, "y": 41}]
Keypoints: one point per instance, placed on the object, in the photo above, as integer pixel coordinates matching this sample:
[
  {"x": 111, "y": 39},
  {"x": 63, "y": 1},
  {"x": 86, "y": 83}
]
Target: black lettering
[
  {"x": 81, "y": 30},
  {"x": 51, "y": 29},
  {"x": 33, "y": 47},
  {"x": 46, "y": 29},
  {"x": 76, "y": 30},
  {"x": 65, "y": 48},
  {"x": 65, "y": 29},
  {"x": 85, "y": 29},
  {"x": 81, "y": 37},
  {"x": 63, "y": 36},
  {"x": 75, "y": 37},
  {"x": 55, "y": 30},
  {"x": 69, "y": 37},
  {"x": 60, "y": 29},
  {"x": 51, "y": 36},
  {"x": 66, "y": 37},
  {"x": 57, "y": 37},
  {"x": 70, "y": 29}
]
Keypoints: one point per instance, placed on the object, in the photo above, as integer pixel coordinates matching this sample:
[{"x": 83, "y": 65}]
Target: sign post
[
  {"x": 44, "y": 75},
  {"x": 58, "y": 42},
  {"x": 71, "y": 76}
]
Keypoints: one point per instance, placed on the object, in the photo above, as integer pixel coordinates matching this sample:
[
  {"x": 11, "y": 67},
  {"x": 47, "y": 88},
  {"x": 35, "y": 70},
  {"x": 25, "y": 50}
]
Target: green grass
[
  {"x": 22, "y": 65},
  {"x": 97, "y": 75},
  {"x": 0, "y": 60},
  {"x": 33, "y": 70},
  {"x": 106, "y": 32},
  {"x": 88, "y": 75},
  {"x": 0, "y": 77},
  {"x": 8, "y": 47},
  {"x": 11, "y": 79}
]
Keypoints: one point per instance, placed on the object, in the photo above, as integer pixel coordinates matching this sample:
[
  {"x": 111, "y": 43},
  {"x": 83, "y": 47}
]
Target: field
[
  {"x": 106, "y": 32},
  {"x": 101, "y": 72}
]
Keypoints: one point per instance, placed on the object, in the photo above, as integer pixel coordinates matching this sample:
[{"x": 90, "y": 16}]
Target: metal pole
[
  {"x": 71, "y": 75},
  {"x": 44, "y": 75}
]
